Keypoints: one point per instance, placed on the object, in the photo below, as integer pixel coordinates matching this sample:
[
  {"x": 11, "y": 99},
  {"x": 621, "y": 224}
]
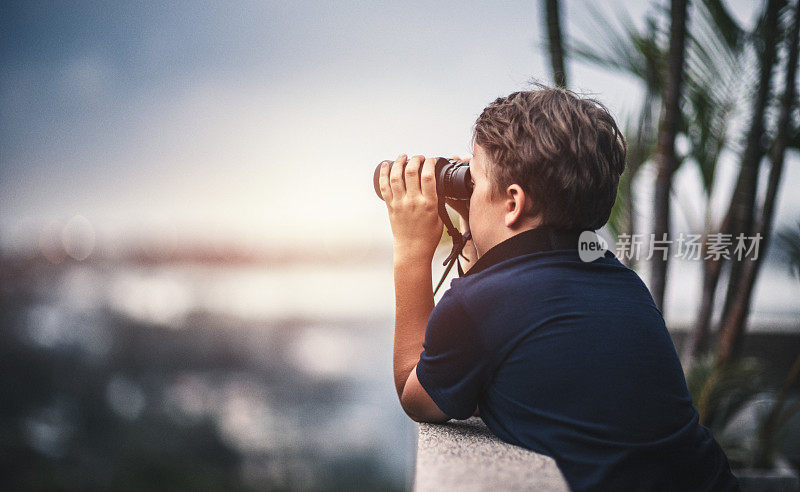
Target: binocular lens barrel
[{"x": 453, "y": 179}]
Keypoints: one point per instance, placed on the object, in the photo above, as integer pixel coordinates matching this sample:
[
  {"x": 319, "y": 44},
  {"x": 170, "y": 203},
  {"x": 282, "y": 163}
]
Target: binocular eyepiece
[{"x": 453, "y": 179}]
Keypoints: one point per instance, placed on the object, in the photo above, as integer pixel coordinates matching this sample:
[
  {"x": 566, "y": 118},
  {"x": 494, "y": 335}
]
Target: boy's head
[{"x": 565, "y": 153}]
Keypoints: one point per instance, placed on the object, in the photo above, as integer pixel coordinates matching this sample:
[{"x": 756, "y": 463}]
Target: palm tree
[
  {"x": 718, "y": 68},
  {"x": 716, "y": 73},
  {"x": 554, "y": 42},
  {"x": 713, "y": 79},
  {"x": 666, "y": 158},
  {"x": 637, "y": 53},
  {"x": 744, "y": 194},
  {"x": 738, "y": 301}
]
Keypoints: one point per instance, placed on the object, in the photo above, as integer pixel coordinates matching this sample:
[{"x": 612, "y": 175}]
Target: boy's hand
[{"x": 413, "y": 206}]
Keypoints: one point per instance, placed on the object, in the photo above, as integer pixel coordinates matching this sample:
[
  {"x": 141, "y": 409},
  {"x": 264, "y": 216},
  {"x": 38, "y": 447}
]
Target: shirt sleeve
[{"x": 453, "y": 365}]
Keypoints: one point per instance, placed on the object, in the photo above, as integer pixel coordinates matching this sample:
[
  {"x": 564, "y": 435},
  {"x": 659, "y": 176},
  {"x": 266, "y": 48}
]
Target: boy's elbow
[
  {"x": 408, "y": 408},
  {"x": 413, "y": 416},
  {"x": 418, "y": 413},
  {"x": 427, "y": 419},
  {"x": 417, "y": 403}
]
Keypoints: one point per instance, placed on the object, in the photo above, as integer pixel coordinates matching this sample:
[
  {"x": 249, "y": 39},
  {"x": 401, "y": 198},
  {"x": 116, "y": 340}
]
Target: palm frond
[
  {"x": 714, "y": 67},
  {"x": 620, "y": 47},
  {"x": 728, "y": 28}
]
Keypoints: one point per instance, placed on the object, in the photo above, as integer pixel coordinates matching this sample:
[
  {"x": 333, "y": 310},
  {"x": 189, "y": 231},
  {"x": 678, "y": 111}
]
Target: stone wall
[{"x": 464, "y": 455}]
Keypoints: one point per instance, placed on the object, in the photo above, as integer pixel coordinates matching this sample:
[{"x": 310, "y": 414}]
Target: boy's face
[{"x": 486, "y": 216}]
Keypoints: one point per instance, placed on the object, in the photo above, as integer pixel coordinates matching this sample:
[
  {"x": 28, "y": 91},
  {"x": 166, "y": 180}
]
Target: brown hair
[{"x": 565, "y": 151}]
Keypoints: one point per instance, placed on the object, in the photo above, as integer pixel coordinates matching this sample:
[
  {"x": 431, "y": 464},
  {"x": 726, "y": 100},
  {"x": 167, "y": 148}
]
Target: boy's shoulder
[{"x": 546, "y": 281}]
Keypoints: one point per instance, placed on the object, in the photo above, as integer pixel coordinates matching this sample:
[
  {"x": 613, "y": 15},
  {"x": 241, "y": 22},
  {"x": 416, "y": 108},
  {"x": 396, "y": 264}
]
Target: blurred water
[
  {"x": 281, "y": 376},
  {"x": 167, "y": 293},
  {"x": 291, "y": 367}
]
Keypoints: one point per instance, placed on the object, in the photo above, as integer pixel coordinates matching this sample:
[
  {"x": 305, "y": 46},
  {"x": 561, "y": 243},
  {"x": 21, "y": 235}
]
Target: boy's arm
[
  {"x": 413, "y": 306},
  {"x": 410, "y": 195}
]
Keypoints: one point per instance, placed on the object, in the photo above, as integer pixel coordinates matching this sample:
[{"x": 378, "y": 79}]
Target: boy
[{"x": 565, "y": 357}]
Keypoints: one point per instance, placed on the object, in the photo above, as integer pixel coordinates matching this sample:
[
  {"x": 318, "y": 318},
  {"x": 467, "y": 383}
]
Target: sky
[{"x": 262, "y": 122}]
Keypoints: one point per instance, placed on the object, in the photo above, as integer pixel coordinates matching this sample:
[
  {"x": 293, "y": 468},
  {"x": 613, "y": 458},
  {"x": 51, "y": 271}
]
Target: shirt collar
[{"x": 542, "y": 238}]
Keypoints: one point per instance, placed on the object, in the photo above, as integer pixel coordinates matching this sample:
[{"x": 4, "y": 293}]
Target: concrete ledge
[
  {"x": 465, "y": 455},
  {"x": 781, "y": 478}
]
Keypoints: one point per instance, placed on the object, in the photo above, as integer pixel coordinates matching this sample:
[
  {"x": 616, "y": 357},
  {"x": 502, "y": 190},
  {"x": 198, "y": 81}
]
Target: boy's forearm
[{"x": 413, "y": 306}]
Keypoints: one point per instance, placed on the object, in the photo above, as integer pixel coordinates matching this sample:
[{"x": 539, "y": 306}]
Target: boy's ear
[{"x": 516, "y": 204}]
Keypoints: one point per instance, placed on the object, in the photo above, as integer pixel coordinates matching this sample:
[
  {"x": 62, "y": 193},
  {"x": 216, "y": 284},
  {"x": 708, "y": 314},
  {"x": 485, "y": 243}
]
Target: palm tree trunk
[
  {"x": 743, "y": 200},
  {"x": 554, "y": 41},
  {"x": 665, "y": 154},
  {"x": 733, "y": 324},
  {"x": 712, "y": 269}
]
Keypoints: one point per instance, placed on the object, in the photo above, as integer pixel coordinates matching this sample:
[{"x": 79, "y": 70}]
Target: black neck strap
[
  {"x": 542, "y": 238},
  {"x": 459, "y": 240}
]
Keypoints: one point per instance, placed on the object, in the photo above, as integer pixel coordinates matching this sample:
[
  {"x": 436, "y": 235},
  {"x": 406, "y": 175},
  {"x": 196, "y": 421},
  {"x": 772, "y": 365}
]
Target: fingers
[
  {"x": 383, "y": 182},
  {"x": 412, "y": 176},
  {"x": 415, "y": 178},
  {"x": 428, "y": 178},
  {"x": 468, "y": 158},
  {"x": 396, "y": 177}
]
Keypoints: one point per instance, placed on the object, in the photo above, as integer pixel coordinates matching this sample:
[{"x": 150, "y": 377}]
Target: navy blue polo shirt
[{"x": 573, "y": 360}]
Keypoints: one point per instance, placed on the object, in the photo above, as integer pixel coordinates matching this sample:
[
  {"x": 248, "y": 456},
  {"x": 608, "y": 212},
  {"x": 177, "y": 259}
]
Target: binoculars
[{"x": 453, "y": 180}]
